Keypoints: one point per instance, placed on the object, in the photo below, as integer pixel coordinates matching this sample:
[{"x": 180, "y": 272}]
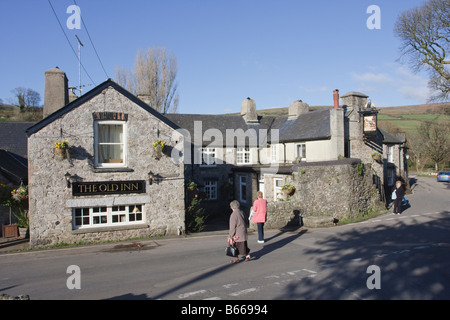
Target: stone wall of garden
[{"x": 325, "y": 193}]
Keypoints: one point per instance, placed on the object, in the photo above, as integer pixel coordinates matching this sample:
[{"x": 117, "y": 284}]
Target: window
[
  {"x": 389, "y": 150},
  {"x": 390, "y": 176},
  {"x": 243, "y": 155},
  {"x": 277, "y": 184},
  {"x": 208, "y": 156},
  {"x": 243, "y": 188},
  {"x": 210, "y": 189},
  {"x": 301, "y": 151},
  {"x": 107, "y": 216},
  {"x": 110, "y": 143},
  {"x": 274, "y": 153}
]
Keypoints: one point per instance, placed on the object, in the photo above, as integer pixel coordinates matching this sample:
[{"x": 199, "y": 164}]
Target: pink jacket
[{"x": 260, "y": 209}]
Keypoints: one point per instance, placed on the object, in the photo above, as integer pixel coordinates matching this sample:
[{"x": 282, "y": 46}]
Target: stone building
[{"x": 109, "y": 183}]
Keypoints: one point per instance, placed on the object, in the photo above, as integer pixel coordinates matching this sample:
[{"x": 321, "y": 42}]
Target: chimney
[
  {"x": 297, "y": 108},
  {"x": 355, "y": 100},
  {"x": 56, "y": 93},
  {"x": 248, "y": 110},
  {"x": 336, "y": 98}
]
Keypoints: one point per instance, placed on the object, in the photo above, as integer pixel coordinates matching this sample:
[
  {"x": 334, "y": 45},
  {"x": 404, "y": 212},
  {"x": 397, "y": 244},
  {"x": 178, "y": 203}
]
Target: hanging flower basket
[
  {"x": 61, "y": 148},
  {"x": 288, "y": 189},
  {"x": 159, "y": 147},
  {"x": 376, "y": 156},
  {"x": 20, "y": 193}
]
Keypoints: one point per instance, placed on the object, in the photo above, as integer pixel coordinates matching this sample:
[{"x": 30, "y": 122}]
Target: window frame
[
  {"x": 243, "y": 189},
  {"x": 210, "y": 189},
  {"x": 124, "y": 144},
  {"x": 300, "y": 155},
  {"x": 277, "y": 189},
  {"x": 206, "y": 151},
  {"x": 105, "y": 216},
  {"x": 243, "y": 152}
]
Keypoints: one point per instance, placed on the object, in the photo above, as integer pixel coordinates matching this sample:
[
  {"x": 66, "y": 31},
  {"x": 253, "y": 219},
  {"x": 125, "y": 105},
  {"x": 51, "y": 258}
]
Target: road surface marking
[
  {"x": 188, "y": 294},
  {"x": 241, "y": 292}
]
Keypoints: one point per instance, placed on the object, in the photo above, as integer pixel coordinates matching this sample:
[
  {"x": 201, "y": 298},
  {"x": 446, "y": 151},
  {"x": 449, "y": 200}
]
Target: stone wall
[
  {"x": 325, "y": 192},
  {"x": 51, "y": 202}
]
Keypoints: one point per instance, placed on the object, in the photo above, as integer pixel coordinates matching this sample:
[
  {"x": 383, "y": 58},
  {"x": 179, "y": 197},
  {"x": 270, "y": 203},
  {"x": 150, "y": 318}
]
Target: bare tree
[
  {"x": 26, "y": 97},
  {"x": 433, "y": 142},
  {"x": 425, "y": 33},
  {"x": 153, "y": 79},
  {"x": 32, "y": 98}
]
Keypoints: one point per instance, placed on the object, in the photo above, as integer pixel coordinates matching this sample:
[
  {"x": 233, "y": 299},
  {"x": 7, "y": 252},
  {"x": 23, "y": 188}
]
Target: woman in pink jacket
[{"x": 260, "y": 216}]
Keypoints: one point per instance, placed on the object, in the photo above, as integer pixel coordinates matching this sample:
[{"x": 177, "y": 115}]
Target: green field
[{"x": 409, "y": 121}]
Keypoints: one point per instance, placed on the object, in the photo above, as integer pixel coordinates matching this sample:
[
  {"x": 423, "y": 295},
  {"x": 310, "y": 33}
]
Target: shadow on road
[
  {"x": 269, "y": 247},
  {"x": 414, "y": 262}
]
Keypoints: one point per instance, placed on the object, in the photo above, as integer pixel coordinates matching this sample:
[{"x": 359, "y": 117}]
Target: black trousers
[{"x": 398, "y": 205}]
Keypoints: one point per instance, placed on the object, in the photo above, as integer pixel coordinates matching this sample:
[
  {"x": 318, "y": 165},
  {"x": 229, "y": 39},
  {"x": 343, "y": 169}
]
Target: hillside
[
  {"x": 10, "y": 113},
  {"x": 404, "y": 119},
  {"x": 407, "y": 119}
]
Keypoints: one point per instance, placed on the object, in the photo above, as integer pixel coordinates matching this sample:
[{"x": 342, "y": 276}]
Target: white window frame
[
  {"x": 300, "y": 155},
  {"x": 389, "y": 153},
  {"x": 274, "y": 155},
  {"x": 104, "y": 216},
  {"x": 96, "y": 144},
  {"x": 210, "y": 189},
  {"x": 243, "y": 155},
  {"x": 243, "y": 194},
  {"x": 208, "y": 157},
  {"x": 277, "y": 189}
]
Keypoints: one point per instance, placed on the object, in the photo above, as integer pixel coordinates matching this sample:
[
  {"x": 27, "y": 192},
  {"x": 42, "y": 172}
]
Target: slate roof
[
  {"x": 314, "y": 125},
  {"x": 13, "y": 151},
  {"x": 12, "y": 169},
  {"x": 13, "y": 138},
  {"x": 392, "y": 138}
]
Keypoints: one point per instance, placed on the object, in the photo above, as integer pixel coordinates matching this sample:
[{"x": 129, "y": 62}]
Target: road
[{"x": 399, "y": 257}]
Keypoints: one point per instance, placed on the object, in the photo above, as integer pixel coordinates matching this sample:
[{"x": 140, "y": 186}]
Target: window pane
[
  {"x": 110, "y": 133},
  {"x": 110, "y": 153}
]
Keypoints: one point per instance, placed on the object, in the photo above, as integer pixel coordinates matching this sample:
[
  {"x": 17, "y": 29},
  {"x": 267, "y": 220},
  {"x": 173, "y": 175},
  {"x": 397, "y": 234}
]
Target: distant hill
[
  {"x": 404, "y": 119},
  {"x": 11, "y": 113},
  {"x": 407, "y": 119}
]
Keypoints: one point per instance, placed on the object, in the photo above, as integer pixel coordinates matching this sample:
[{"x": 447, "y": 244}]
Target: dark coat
[{"x": 400, "y": 192}]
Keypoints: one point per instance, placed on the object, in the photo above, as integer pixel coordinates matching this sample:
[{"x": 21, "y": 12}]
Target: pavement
[
  {"x": 219, "y": 226},
  {"x": 14, "y": 244}
]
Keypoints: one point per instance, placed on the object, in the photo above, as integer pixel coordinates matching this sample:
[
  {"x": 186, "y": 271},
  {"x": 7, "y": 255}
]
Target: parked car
[{"x": 443, "y": 176}]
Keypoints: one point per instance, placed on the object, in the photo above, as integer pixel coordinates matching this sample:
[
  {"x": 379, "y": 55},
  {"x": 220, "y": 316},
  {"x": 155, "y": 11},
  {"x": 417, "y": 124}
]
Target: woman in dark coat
[
  {"x": 399, "y": 192},
  {"x": 238, "y": 231}
]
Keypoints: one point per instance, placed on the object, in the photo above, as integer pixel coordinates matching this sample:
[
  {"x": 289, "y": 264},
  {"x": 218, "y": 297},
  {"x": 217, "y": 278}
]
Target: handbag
[
  {"x": 231, "y": 251},
  {"x": 394, "y": 195},
  {"x": 252, "y": 213}
]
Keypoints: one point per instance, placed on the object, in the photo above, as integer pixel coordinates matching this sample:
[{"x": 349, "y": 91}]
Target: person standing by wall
[
  {"x": 397, "y": 196},
  {"x": 238, "y": 231},
  {"x": 260, "y": 216}
]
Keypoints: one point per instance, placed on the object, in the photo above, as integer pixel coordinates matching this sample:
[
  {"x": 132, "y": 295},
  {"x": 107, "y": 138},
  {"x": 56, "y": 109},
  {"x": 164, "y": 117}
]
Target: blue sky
[{"x": 274, "y": 51}]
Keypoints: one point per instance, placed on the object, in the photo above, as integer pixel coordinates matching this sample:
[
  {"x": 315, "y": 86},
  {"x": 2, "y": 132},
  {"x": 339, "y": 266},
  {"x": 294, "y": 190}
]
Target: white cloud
[
  {"x": 396, "y": 81},
  {"x": 382, "y": 78}
]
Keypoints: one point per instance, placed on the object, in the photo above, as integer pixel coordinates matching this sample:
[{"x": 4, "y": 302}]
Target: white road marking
[
  {"x": 241, "y": 292},
  {"x": 188, "y": 294}
]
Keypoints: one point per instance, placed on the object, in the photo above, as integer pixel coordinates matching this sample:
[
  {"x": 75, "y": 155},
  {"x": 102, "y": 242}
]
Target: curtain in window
[{"x": 110, "y": 143}]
